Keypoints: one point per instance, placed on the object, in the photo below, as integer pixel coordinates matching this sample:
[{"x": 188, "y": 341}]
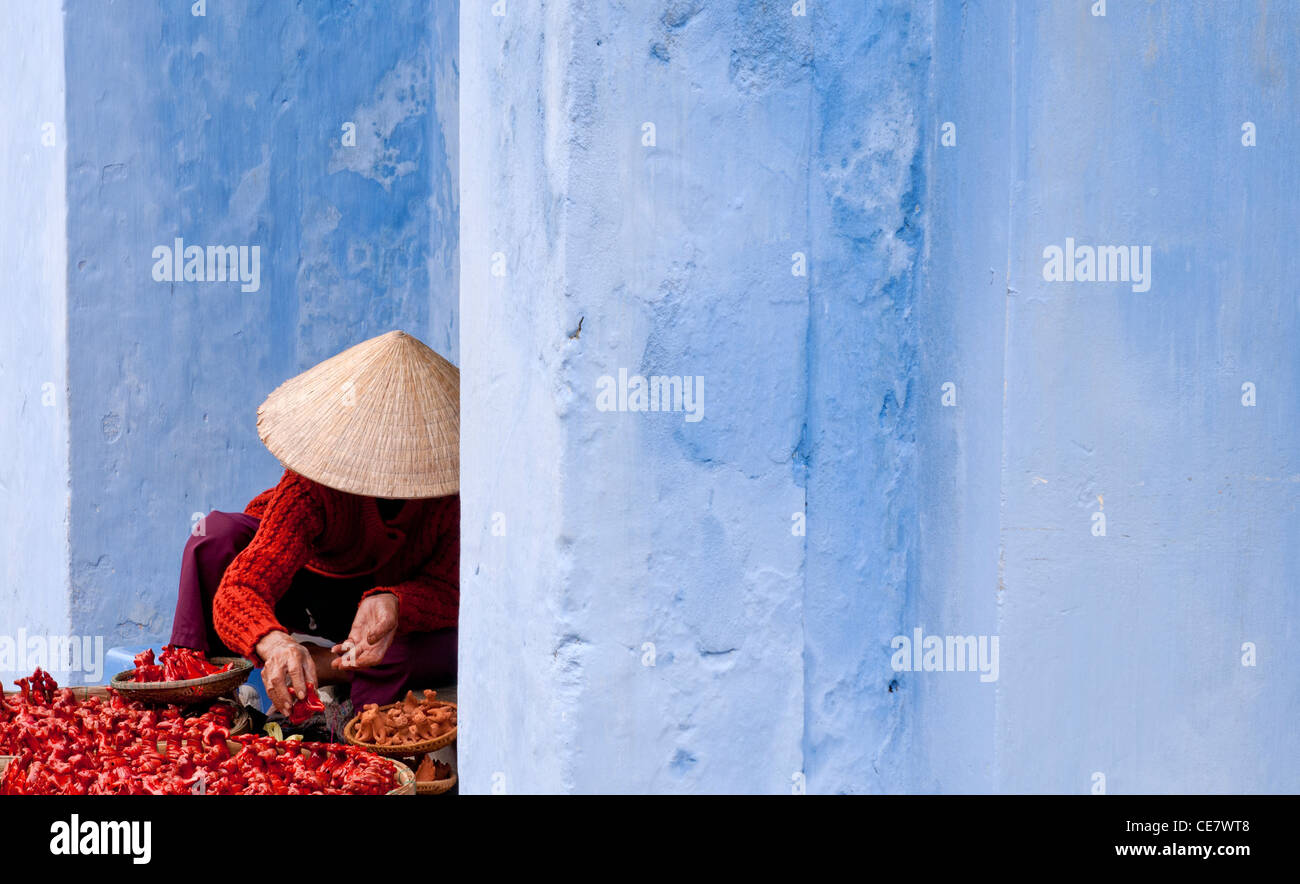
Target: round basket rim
[
  {"x": 405, "y": 776},
  {"x": 120, "y": 682},
  {"x": 436, "y": 787},
  {"x": 405, "y": 750}
]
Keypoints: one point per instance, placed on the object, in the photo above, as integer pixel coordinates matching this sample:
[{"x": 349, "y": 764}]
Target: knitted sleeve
[
  {"x": 431, "y": 599},
  {"x": 257, "y": 506},
  {"x": 243, "y": 611}
]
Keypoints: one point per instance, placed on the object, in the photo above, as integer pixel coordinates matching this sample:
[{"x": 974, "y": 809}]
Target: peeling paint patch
[
  {"x": 251, "y": 193},
  {"x": 402, "y": 95}
]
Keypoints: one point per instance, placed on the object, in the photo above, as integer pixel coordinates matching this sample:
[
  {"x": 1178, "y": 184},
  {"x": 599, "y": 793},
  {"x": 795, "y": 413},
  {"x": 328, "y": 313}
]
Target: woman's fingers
[
  {"x": 369, "y": 655},
  {"x": 356, "y": 657},
  {"x": 308, "y": 671},
  {"x": 364, "y": 654},
  {"x": 297, "y": 680},
  {"x": 368, "y": 641},
  {"x": 286, "y": 676},
  {"x": 273, "y": 681},
  {"x": 301, "y": 672}
]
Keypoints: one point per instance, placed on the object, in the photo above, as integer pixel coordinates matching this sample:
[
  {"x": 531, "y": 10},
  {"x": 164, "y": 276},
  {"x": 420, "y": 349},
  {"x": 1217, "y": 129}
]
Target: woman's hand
[
  {"x": 372, "y": 632},
  {"x": 287, "y": 669}
]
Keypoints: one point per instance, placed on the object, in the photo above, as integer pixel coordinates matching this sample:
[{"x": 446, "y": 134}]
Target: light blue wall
[
  {"x": 1127, "y": 648},
  {"x": 1121, "y": 655},
  {"x": 958, "y": 455},
  {"x": 33, "y": 351},
  {"x": 226, "y": 130},
  {"x": 514, "y": 696}
]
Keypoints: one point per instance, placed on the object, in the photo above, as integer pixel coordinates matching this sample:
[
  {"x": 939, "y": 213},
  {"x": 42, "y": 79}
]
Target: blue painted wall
[
  {"x": 958, "y": 455},
  {"x": 33, "y": 351},
  {"x": 1128, "y": 129},
  {"x": 225, "y": 129},
  {"x": 867, "y": 190},
  {"x": 1121, "y": 663}
]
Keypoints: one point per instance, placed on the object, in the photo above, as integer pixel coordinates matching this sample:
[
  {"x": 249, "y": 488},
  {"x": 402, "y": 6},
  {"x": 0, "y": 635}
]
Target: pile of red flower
[
  {"x": 66, "y": 746},
  {"x": 177, "y": 664}
]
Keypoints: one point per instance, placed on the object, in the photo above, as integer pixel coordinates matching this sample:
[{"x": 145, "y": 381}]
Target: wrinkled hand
[
  {"x": 372, "y": 632},
  {"x": 287, "y": 669}
]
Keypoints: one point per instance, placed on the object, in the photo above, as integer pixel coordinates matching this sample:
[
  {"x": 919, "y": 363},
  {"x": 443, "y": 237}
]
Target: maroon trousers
[{"x": 313, "y": 605}]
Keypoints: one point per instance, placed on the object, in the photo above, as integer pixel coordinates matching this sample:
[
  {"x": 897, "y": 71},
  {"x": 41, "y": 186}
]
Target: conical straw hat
[{"x": 381, "y": 419}]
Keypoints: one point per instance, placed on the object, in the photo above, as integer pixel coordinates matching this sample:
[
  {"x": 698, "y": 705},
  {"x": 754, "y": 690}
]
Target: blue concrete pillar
[
  {"x": 952, "y": 425},
  {"x": 728, "y": 195},
  {"x": 867, "y": 390}
]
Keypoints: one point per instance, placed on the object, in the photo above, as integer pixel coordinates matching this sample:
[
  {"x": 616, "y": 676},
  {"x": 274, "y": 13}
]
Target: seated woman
[{"x": 366, "y": 554}]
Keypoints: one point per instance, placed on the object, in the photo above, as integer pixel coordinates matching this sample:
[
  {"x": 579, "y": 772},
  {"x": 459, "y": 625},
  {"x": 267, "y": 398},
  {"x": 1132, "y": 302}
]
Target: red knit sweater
[{"x": 415, "y": 556}]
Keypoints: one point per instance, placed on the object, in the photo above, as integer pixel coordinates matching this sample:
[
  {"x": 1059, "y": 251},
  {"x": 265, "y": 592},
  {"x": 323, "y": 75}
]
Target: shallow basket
[
  {"x": 436, "y": 787},
  {"x": 405, "y": 776},
  {"x": 187, "y": 692},
  {"x": 406, "y": 784},
  {"x": 404, "y": 750}
]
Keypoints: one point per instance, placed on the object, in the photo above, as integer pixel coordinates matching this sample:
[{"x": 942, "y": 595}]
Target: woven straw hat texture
[{"x": 381, "y": 419}]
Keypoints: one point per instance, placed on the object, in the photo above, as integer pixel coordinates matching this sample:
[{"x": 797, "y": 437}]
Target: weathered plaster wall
[
  {"x": 635, "y": 598},
  {"x": 226, "y": 129},
  {"x": 867, "y": 189},
  {"x": 513, "y": 687},
  {"x": 33, "y": 351},
  {"x": 651, "y": 618}
]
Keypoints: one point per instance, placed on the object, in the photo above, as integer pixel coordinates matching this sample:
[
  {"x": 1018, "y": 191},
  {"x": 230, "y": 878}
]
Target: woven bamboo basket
[
  {"x": 403, "y": 750},
  {"x": 187, "y": 692},
  {"x": 405, "y": 776},
  {"x": 436, "y": 787},
  {"x": 88, "y": 691},
  {"x": 243, "y": 722},
  {"x": 405, "y": 780}
]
